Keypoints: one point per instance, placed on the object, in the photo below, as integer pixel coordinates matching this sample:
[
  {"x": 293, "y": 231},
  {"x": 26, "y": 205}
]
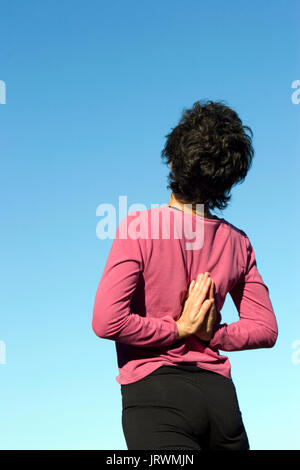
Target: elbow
[
  {"x": 100, "y": 323},
  {"x": 99, "y": 326},
  {"x": 105, "y": 329},
  {"x": 271, "y": 338},
  {"x": 99, "y": 329},
  {"x": 102, "y": 331}
]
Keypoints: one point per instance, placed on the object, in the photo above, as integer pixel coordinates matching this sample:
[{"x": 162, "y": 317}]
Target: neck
[{"x": 177, "y": 203}]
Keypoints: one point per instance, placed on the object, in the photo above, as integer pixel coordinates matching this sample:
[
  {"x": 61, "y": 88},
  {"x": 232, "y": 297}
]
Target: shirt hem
[{"x": 121, "y": 380}]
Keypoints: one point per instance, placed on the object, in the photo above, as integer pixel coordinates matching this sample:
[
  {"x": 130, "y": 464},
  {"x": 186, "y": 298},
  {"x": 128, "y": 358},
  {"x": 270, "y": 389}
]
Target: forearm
[
  {"x": 113, "y": 317},
  {"x": 135, "y": 329},
  {"x": 242, "y": 335},
  {"x": 257, "y": 326}
]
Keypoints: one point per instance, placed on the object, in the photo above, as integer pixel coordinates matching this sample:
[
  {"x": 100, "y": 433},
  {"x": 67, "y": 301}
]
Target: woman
[{"x": 159, "y": 297}]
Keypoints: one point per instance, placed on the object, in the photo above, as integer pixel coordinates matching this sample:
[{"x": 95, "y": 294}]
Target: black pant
[{"x": 182, "y": 407}]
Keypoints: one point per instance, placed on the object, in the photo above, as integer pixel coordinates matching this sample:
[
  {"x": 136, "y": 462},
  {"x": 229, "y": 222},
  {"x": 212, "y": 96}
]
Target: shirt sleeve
[
  {"x": 257, "y": 326},
  {"x": 112, "y": 315}
]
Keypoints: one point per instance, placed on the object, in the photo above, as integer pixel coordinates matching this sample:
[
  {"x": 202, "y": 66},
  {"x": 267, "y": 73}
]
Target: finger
[
  {"x": 191, "y": 286},
  {"x": 189, "y": 291},
  {"x": 197, "y": 292},
  {"x": 198, "y": 278},
  {"x": 211, "y": 290},
  {"x": 201, "y": 279},
  {"x": 197, "y": 299},
  {"x": 201, "y": 275},
  {"x": 212, "y": 317},
  {"x": 204, "y": 310},
  {"x": 197, "y": 283},
  {"x": 202, "y": 317},
  {"x": 202, "y": 288}
]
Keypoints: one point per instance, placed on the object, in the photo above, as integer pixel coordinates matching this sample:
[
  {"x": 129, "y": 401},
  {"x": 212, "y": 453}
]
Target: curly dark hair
[{"x": 209, "y": 152}]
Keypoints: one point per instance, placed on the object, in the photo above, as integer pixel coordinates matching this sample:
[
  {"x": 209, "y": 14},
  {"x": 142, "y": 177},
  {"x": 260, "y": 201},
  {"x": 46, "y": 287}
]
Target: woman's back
[{"x": 153, "y": 258}]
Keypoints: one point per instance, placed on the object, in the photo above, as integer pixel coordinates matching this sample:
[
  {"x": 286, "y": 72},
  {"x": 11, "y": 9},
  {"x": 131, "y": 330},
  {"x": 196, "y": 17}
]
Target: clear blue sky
[{"x": 92, "y": 88}]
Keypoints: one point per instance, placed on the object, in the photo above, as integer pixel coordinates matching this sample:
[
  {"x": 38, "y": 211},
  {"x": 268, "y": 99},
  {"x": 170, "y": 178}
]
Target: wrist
[{"x": 180, "y": 330}]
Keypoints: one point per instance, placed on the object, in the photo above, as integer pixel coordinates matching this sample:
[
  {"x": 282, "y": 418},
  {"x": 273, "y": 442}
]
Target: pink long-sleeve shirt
[{"x": 154, "y": 256}]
